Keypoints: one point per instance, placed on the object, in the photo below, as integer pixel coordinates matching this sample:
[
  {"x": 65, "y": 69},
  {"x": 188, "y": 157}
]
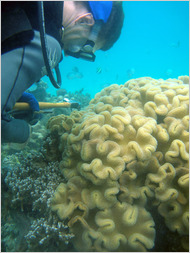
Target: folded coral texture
[{"x": 129, "y": 145}]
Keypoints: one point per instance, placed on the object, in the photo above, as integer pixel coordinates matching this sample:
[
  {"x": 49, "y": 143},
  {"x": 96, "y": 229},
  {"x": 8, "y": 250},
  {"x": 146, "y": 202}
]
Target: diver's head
[{"x": 90, "y": 26}]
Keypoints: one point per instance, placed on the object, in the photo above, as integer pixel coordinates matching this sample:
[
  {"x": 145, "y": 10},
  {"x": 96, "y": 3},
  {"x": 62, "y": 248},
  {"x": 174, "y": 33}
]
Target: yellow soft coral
[
  {"x": 130, "y": 145},
  {"x": 171, "y": 186},
  {"x": 117, "y": 229}
]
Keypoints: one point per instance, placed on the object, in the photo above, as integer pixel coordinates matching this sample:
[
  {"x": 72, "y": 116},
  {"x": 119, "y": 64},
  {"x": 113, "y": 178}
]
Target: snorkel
[{"x": 101, "y": 11}]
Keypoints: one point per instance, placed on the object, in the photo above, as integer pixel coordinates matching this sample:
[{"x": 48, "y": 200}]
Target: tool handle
[{"x": 42, "y": 105}]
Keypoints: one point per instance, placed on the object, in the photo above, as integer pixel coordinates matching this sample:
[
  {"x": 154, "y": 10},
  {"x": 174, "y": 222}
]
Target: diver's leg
[{"x": 20, "y": 68}]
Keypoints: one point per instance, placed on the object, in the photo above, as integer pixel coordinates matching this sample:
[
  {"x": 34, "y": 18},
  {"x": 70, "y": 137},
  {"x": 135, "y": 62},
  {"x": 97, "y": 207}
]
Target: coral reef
[
  {"x": 39, "y": 131},
  {"x": 28, "y": 224},
  {"x": 48, "y": 235},
  {"x": 57, "y": 126},
  {"x": 128, "y": 150}
]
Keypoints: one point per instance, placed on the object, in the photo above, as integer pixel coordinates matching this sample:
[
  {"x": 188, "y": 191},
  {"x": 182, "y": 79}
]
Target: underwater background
[{"x": 154, "y": 43}]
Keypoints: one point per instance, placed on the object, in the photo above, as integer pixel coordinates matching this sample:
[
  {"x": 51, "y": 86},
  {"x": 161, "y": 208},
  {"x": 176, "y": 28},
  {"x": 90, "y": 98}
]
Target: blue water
[{"x": 154, "y": 42}]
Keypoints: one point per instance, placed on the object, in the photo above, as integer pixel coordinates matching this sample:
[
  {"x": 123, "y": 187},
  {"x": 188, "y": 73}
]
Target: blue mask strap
[{"x": 101, "y": 9}]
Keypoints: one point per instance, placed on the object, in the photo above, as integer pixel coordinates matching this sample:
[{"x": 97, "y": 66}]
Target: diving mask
[{"x": 101, "y": 11}]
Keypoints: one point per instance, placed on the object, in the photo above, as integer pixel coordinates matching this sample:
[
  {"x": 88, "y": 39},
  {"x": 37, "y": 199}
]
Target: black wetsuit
[
  {"x": 20, "y": 18},
  {"x": 22, "y": 61}
]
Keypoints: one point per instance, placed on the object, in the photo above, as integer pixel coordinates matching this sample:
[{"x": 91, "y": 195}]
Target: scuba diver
[{"x": 33, "y": 35}]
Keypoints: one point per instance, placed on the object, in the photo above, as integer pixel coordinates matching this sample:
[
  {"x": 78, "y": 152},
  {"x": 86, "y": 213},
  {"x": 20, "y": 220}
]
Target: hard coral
[
  {"x": 130, "y": 145},
  {"x": 28, "y": 224}
]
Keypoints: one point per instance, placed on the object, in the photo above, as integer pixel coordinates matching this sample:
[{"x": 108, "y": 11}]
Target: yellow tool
[{"x": 21, "y": 106}]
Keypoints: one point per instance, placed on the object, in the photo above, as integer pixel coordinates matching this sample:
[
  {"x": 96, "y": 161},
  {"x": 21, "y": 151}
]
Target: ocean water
[{"x": 154, "y": 42}]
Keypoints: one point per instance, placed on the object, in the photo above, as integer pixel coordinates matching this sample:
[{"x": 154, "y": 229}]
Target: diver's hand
[
  {"x": 31, "y": 100},
  {"x": 33, "y": 115}
]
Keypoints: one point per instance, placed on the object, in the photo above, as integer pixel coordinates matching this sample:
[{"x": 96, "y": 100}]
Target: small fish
[{"x": 98, "y": 70}]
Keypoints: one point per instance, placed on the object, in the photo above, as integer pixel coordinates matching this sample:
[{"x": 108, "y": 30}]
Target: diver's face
[
  {"x": 75, "y": 38},
  {"x": 77, "y": 33}
]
